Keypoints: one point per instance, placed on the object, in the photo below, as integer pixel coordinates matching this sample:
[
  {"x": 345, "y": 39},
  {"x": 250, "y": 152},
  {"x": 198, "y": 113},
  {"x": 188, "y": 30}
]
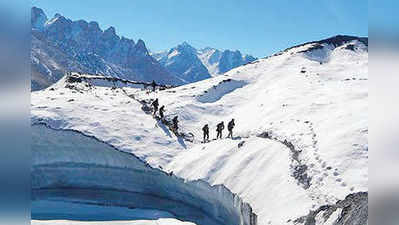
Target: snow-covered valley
[{"x": 299, "y": 148}]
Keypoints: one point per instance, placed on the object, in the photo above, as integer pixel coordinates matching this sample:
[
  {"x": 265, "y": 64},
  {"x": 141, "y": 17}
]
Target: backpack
[{"x": 230, "y": 125}]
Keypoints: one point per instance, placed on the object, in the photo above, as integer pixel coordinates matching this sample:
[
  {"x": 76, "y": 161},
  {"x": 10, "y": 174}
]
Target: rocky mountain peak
[
  {"x": 185, "y": 60},
  {"x": 140, "y": 47},
  {"x": 93, "y": 26},
  {"x": 110, "y": 31},
  {"x": 186, "y": 47},
  {"x": 62, "y": 45},
  {"x": 38, "y": 18}
]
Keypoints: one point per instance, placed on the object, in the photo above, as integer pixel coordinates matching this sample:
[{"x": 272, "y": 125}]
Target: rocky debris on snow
[
  {"x": 299, "y": 169},
  {"x": 353, "y": 210},
  {"x": 335, "y": 41}
]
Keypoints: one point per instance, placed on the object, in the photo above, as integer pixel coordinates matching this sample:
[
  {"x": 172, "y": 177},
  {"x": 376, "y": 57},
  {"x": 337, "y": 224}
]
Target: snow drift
[{"x": 66, "y": 159}]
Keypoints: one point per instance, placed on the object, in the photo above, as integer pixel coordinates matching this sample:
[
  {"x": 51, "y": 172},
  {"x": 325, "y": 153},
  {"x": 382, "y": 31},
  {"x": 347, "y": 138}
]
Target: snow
[
  {"x": 173, "y": 54},
  {"x": 322, "y": 111},
  {"x": 212, "y": 66}
]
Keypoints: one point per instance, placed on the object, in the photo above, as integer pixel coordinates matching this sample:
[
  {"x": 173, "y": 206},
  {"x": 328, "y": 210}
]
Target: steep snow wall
[{"x": 70, "y": 159}]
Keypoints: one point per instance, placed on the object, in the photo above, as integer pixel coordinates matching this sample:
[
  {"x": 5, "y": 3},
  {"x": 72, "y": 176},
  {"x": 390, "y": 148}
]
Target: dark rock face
[
  {"x": 60, "y": 45},
  {"x": 354, "y": 211},
  {"x": 232, "y": 59}
]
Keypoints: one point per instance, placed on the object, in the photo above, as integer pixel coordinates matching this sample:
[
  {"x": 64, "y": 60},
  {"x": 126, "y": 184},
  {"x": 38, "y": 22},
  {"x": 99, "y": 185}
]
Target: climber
[
  {"x": 205, "y": 129},
  {"x": 161, "y": 111},
  {"x": 175, "y": 121},
  {"x": 230, "y": 127},
  {"x": 153, "y": 84},
  {"x": 219, "y": 129},
  {"x": 155, "y": 104}
]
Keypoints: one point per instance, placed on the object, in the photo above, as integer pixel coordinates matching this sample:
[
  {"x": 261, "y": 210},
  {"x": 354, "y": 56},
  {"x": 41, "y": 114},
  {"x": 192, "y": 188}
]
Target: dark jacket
[
  {"x": 220, "y": 126},
  {"x": 205, "y": 129},
  {"x": 231, "y": 125},
  {"x": 174, "y": 120},
  {"x": 155, "y": 103}
]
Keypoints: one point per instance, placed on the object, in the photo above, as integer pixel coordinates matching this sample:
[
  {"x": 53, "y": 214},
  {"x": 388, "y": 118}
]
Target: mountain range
[
  {"x": 193, "y": 64},
  {"x": 60, "y": 45}
]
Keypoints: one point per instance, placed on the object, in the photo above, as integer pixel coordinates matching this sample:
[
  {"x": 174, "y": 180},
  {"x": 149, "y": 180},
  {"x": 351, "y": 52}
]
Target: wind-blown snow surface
[{"x": 318, "y": 105}]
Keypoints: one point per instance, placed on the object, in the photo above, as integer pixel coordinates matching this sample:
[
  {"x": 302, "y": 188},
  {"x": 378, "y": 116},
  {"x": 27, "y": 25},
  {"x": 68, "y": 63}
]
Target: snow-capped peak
[
  {"x": 202, "y": 63},
  {"x": 186, "y": 47}
]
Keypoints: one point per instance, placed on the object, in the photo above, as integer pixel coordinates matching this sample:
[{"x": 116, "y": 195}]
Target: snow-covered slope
[
  {"x": 301, "y": 131},
  {"x": 60, "y": 45},
  {"x": 194, "y": 64}
]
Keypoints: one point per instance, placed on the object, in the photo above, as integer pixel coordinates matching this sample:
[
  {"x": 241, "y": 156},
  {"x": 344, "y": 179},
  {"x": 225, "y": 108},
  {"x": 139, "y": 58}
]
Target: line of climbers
[
  {"x": 219, "y": 129},
  {"x": 205, "y": 129},
  {"x": 155, "y": 105}
]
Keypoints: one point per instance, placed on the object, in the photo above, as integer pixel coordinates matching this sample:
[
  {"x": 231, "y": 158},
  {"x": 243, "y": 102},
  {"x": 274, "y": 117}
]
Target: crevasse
[{"x": 68, "y": 159}]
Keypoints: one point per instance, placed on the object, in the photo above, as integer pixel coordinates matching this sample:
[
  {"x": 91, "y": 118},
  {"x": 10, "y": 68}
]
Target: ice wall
[{"x": 70, "y": 159}]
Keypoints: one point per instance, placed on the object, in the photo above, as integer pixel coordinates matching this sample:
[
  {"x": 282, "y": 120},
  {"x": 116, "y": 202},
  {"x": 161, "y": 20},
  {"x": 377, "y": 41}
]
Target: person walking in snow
[
  {"x": 205, "y": 129},
  {"x": 155, "y": 104},
  {"x": 161, "y": 111},
  {"x": 219, "y": 129},
  {"x": 175, "y": 123},
  {"x": 153, "y": 84},
  {"x": 230, "y": 127}
]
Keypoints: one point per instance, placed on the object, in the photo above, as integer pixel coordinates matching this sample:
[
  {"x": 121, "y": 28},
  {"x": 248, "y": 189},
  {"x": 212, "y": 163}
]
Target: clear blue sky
[{"x": 257, "y": 27}]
